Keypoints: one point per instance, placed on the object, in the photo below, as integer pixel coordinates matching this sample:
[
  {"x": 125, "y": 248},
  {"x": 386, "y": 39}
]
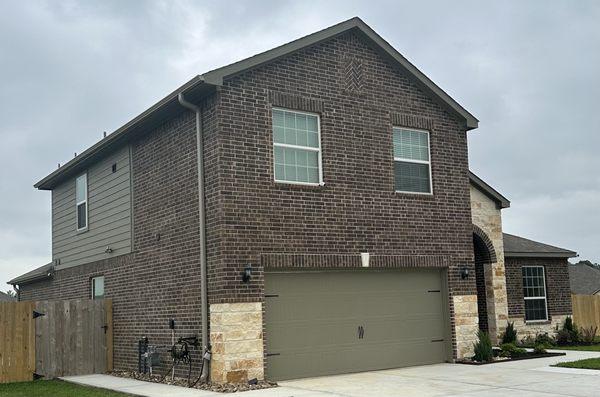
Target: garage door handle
[
  {"x": 437, "y": 340},
  {"x": 361, "y": 332}
]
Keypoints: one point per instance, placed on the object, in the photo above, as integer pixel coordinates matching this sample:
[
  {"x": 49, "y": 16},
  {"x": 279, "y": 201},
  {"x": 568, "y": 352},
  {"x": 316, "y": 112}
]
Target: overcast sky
[{"x": 529, "y": 70}]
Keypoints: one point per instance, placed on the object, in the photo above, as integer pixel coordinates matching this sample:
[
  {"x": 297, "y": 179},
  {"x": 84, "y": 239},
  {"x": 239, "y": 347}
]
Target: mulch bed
[
  {"x": 526, "y": 356},
  {"x": 216, "y": 387}
]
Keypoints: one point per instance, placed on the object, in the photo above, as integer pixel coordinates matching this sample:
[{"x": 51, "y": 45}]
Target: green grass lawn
[
  {"x": 53, "y": 388},
  {"x": 588, "y": 363},
  {"x": 590, "y": 348}
]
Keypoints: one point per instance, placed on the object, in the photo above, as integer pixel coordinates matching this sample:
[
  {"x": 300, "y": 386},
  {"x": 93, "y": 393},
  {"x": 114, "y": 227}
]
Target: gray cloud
[{"x": 527, "y": 70}]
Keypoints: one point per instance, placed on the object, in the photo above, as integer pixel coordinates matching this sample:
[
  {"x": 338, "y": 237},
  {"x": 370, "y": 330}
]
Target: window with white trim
[
  {"x": 534, "y": 292},
  {"x": 296, "y": 147},
  {"x": 81, "y": 196},
  {"x": 98, "y": 287},
  {"x": 412, "y": 164}
]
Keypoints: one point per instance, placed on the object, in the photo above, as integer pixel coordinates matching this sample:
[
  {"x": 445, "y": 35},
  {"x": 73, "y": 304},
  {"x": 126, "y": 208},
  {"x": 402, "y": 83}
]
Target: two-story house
[{"x": 307, "y": 211}]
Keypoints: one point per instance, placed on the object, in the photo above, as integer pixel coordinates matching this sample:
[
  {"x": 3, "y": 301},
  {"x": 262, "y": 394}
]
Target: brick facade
[
  {"x": 558, "y": 290},
  {"x": 253, "y": 220},
  {"x": 356, "y": 210}
]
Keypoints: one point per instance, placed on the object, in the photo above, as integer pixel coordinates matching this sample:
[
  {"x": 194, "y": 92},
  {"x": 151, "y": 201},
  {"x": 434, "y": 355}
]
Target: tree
[
  {"x": 11, "y": 293},
  {"x": 588, "y": 263}
]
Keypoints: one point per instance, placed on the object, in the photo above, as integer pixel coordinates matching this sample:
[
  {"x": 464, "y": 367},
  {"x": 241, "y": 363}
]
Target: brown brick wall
[
  {"x": 558, "y": 290},
  {"x": 250, "y": 216},
  {"x": 357, "y": 209}
]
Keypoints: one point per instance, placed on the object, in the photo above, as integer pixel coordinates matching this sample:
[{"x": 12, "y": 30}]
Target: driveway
[{"x": 533, "y": 378}]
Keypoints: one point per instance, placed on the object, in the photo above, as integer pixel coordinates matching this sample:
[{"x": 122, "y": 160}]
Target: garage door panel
[{"x": 313, "y": 320}]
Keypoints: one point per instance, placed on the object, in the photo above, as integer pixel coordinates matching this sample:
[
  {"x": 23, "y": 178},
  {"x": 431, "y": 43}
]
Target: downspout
[
  {"x": 202, "y": 220},
  {"x": 17, "y": 291}
]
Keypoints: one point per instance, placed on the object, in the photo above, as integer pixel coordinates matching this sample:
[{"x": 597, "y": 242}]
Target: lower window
[
  {"x": 98, "y": 287},
  {"x": 534, "y": 292}
]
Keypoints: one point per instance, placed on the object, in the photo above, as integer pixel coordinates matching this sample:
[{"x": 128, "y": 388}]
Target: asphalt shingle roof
[
  {"x": 515, "y": 246},
  {"x": 36, "y": 274},
  {"x": 585, "y": 280}
]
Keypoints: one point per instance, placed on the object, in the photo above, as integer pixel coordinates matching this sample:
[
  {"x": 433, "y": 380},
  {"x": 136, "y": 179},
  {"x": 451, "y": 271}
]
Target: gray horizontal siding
[{"x": 109, "y": 214}]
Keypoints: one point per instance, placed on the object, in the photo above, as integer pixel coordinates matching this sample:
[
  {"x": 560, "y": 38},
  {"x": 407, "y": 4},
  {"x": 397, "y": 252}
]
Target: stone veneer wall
[
  {"x": 466, "y": 324},
  {"x": 525, "y": 330},
  {"x": 487, "y": 216},
  {"x": 236, "y": 334}
]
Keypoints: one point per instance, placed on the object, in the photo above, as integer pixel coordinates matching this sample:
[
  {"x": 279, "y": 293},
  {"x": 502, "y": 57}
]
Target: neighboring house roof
[
  {"x": 519, "y": 247},
  {"x": 585, "y": 279},
  {"x": 201, "y": 86},
  {"x": 482, "y": 186},
  {"x": 37, "y": 274},
  {"x": 5, "y": 297}
]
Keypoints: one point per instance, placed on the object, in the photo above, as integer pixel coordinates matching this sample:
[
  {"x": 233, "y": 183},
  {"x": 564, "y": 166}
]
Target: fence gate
[
  {"x": 55, "y": 338},
  {"x": 17, "y": 341}
]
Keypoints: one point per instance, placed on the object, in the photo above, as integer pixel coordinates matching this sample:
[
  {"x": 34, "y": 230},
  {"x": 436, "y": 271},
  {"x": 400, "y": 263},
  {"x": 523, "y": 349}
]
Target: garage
[{"x": 331, "y": 322}]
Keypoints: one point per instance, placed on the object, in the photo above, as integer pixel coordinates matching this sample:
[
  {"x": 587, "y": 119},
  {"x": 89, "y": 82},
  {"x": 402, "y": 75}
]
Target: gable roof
[
  {"x": 36, "y": 274},
  {"x": 585, "y": 279},
  {"x": 205, "y": 84},
  {"x": 520, "y": 247},
  {"x": 483, "y": 187}
]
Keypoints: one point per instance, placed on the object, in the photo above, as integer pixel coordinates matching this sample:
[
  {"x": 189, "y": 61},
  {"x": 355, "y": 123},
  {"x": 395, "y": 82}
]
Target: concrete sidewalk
[{"x": 535, "y": 378}]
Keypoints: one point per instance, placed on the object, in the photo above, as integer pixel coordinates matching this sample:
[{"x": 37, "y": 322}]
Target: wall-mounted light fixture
[
  {"x": 247, "y": 274},
  {"x": 464, "y": 273}
]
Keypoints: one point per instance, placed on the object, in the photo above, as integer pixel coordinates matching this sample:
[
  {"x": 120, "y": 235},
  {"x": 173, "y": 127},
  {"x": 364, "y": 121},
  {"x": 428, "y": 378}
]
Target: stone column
[
  {"x": 466, "y": 324},
  {"x": 237, "y": 342}
]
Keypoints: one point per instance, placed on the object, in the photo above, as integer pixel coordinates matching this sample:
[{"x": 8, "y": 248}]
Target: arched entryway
[{"x": 484, "y": 257}]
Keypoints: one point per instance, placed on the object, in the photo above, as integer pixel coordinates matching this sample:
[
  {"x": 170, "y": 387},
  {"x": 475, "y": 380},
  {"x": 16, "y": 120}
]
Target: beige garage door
[{"x": 322, "y": 323}]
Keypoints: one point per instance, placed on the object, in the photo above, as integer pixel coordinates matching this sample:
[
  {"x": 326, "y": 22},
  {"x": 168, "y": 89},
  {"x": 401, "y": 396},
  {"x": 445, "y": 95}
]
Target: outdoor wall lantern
[
  {"x": 247, "y": 274},
  {"x": 464, "y": 273}
]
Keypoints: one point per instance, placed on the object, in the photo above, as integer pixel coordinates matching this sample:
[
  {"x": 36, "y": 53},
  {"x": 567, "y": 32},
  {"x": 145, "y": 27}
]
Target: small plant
[
  {"x": 563, "y": 337},
  {"x": 568, "y": 335},
  {"x": 588, "y": 335},
  {"x": 511, "y": 350},
  {"x": 544, "y": 339},
  {"x": 527, "y": 341},
  {"x": 540, "y": 348},
  {"x": 570, "y": 327},
  {"x": 483, "y": 348},
  {"x": 510, "y": 334}
]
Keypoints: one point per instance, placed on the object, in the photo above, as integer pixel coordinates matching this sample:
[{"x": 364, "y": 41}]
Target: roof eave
[
  {"x": 32, "y": 279},
  {"x": 217, "y": 76},
  {"x": 501, "y": 201},
  {"x": 48, "y": 182},
  {"x": 565, "y": 255}
]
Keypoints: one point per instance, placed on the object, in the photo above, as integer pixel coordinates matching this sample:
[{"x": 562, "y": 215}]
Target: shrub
[
  {"x": 483, "y": 348},
  {"x": 570, "y": 327},
  {"x": 511, "y": 350},
  {"x": 510, "y": 334},
  {"x": 540, "y": 348},
  {"x": 588, "y": 335},
  {"x": 527, "y": 341},
  {"x": 544, "y": 339},
  {"x": 563, "y": 337},
  {"x": 568, "y": 335}
]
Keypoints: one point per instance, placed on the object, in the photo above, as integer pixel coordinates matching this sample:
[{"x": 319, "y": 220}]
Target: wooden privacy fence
[
  {"x": 55, "y": 338},
  {"x": 586, "y": 310}
]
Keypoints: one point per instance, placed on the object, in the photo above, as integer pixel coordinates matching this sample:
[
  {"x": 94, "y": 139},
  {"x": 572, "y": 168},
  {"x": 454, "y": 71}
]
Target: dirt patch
[{"x": 216, "y": 387}]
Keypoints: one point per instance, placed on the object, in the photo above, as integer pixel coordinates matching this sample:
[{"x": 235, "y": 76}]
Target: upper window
[
  {"x": 81, "y": 193},
  {"x": 98, "y": 287},
  {"x": 534, "y": 292},
  {"x": 412, "y": 165},
  {"x": 297, "y": 147}
]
